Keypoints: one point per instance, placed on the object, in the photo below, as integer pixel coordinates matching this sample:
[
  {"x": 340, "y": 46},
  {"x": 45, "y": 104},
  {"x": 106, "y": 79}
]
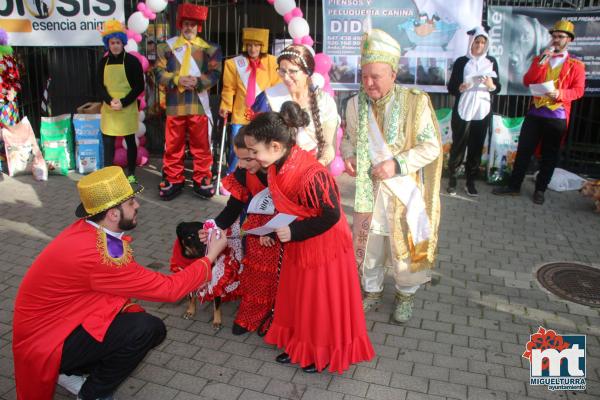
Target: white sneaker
[{"x": 72, "y": 383}]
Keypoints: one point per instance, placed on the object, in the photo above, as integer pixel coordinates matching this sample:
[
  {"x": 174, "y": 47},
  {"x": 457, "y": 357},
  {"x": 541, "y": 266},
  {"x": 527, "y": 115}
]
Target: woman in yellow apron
[{"x": 122, "y": 80}]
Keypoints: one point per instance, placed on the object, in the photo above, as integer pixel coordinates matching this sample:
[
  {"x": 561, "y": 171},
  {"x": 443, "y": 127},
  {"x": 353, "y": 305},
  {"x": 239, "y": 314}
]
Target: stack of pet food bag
[{"x": 61, "y": 151}]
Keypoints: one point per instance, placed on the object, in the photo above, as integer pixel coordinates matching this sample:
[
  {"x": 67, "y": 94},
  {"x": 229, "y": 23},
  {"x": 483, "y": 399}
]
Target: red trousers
[{"x": 175, "y": 134}]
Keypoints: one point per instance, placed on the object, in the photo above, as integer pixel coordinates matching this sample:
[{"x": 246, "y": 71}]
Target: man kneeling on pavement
[{"x": 73, "y": 314}]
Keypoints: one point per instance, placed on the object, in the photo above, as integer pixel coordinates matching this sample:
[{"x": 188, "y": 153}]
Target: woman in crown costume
[{"x": 296, "y": 64}]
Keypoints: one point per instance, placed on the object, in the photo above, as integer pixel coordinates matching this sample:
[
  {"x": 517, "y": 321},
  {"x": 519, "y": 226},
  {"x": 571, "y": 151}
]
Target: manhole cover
[{"x": 578, "y": 283}]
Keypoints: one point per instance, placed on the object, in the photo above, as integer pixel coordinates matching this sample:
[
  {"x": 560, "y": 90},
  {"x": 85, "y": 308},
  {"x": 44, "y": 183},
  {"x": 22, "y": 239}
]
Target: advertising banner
[
  {"x": 518, "y": 34},
  {"x": 431, "y": 33},
  {"x": 57, "y": 22}
]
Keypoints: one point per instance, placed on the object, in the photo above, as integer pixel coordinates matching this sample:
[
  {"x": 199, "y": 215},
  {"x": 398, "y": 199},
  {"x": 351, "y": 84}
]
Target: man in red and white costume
[
  {"x": 548, "y": 118},
  {"x": 72, "y": 312}
]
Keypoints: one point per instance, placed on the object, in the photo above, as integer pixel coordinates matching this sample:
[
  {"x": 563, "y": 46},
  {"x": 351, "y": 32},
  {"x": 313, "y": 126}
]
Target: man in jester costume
[
  {"x": 392, "y": 145},
  {"x": 10, "y": 83},
  {"x": 73, "y": 314},
  {"x": 245, "y": 77},
  {"x": 188, "y": 67}
]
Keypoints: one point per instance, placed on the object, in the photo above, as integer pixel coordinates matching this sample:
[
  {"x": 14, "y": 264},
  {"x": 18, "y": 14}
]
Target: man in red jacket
[
  {"x": 72, "y": 311},
  {"x": 548, "y": 117}
]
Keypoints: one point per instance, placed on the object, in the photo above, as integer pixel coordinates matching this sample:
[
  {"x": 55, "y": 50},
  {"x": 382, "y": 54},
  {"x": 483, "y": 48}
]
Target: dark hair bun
[{"x": 293, "y": 115}]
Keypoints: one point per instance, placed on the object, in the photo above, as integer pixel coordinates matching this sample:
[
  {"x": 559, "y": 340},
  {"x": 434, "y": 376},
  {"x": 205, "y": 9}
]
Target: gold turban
[
  {"x": 379, "y": 47},
  {"x": 256, "y": 35}
]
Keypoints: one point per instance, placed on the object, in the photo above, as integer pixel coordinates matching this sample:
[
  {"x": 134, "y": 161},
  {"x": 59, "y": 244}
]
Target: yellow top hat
[
  {"x": 112, "y": 26},
  {"x": 104, "y": 189},
  {"x": 379, "y": 47},
  {"x": 564, "y": 26},
  {"x": 257, "y": 35}
]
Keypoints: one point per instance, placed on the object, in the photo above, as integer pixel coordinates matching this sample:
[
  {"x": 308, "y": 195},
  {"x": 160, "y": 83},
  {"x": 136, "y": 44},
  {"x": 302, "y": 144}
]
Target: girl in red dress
[
  {"x": 318, "y": 319},
  {"x": 258, "y": 282}
]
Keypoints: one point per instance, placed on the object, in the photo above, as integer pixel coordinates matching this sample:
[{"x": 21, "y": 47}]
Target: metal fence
[{"x": 74, "y": 70}]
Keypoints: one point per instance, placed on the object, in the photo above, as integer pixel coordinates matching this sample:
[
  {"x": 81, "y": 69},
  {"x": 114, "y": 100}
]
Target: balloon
[
  {"x": 118, "y": 142},
  {"x": 297, "y": 41},
  {"x": 271, "y": 1},
  {"x": 131, "y": 34},
  {"x": 143, "y": 156},
  {"x": 329, "y": 91},
  {"x": 137, "y": 22},
  {"x": 322, "y": 63},
  {"x": 142, "y": 103},
  {"x": 157, "y": 5},
  {"x": 141, "y": 141},
  {"x": 307, "y": 40},
  {"x": 131, "y": 46},
  {"x": 120, "y": 157},
  {"x": 284, "y": 6},
  {"x": 337, "y": 166},
  {"x": 141, "y": 129},
  {"x": 141, "y": 115},
  {"x": 146, "y": 11},
  {"x": 296, "y": 12},
  {"x": 317, "y": 80},
  {"x": 298, "y": 27}
]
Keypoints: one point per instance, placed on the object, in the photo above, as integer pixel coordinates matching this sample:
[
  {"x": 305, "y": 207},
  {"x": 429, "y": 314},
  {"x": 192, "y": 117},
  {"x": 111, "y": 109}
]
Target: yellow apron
[{"x": 125, "y": 121}]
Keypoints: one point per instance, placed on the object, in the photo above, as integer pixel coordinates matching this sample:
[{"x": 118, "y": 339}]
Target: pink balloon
[
  {"x": 322, "y": 64},
  {"x": 120, "y": 157},
  {"x": 148, "y": 13},
  {"x": 118, "y": 142},
  {"x": 296, "y": 12},
  {"x": 337, "y": 166},
  {"x": 297, "y": 40},
  {"x": 327, "y": 89},
  {"x": 271, "y": 2},
  {"x": 143, "y": 156},
  {"x": 307, "y": 40},
  {"x": 141, "y": 141},
  {"x": 131, "y": 34},
  {"x": 142, "y": 103}
]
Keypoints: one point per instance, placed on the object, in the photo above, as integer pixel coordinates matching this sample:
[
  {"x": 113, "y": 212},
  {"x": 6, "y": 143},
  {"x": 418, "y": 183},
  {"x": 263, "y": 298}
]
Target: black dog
[{"x": 192, "y": 247}]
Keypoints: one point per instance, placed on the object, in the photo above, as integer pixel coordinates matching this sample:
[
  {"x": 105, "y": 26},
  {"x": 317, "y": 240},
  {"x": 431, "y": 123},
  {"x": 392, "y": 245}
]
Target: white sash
[
  {"x": 276, "y": 96},
  {"x": 403, "y": 187},
  {"x": 241, "y": 64},
  {"x": 194, "y": 71}
]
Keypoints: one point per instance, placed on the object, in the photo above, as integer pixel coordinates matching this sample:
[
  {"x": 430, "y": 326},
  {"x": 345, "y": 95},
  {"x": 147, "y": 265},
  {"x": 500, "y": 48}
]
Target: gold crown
[
  {"x": 102, "y": 190},
  {"x": 112, "y": 26},
  {"x": 564, "y": 26},
  {"x": 379, "y": 47},
  {"x": 257, "y": 35}
]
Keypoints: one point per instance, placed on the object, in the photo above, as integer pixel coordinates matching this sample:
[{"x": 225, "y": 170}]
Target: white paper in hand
[
  {"x": 262, "y": 203},
  {"x": 540, "y": 89},
  {"x": 278, "y": 221}
]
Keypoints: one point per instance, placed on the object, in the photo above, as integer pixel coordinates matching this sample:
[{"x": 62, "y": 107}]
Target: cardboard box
[{"x": 89, "y": 108}]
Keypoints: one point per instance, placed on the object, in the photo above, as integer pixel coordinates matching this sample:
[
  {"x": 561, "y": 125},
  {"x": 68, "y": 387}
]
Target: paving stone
[
  {"x": 187, "y": 383},
  {"x": 468, "y": 378},
  {"x": 385, "y": 393},
  {"x": 154, "y": 374},
  {"x": 288, "y": 390},
  {"x": 475, "y": 393},
  {"x": 244, "y": 363},
  {"x": 152, "y": 391},
  {"x": 217, "y": 373},
  {"x": 221, "y": 391},
  {"x": 400, "y": 366},
  {"x": 505, "y": 385},
  {"x": 252, "y": 395},
  {"x": 410, "y": 383},
  {"x": 249, "y": 381},
  {"x": 278, "y": 371},
  {"x": 320, "y": 394},
  {"x": 430, "y": 371},
  {"x": 348, "y": 386},
  {"x": 371, "y": 375}
]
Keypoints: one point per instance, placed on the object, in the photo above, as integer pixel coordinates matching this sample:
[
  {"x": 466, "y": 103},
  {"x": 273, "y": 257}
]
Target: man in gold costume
[{"x": 392, "y": 145}]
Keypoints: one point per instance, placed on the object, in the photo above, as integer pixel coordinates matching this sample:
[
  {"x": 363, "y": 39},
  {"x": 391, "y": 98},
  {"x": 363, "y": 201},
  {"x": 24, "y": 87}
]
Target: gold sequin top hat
[
  {"x": 104, "y": 189},
  {"x": 564, "y": 26},
  {"x": 379, "y": 47},
  {"x": 256, "y": 35}
]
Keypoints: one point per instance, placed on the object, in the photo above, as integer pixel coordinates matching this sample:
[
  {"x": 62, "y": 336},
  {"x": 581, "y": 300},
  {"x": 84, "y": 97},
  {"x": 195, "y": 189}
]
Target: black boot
[
  {"x": 168, "y": 191},
  {"x": 283, "y": 358},
  {"x": 205, "y": 189},
  {"x": 238, "y": 329},
  {"x": 451, "y": 186}
]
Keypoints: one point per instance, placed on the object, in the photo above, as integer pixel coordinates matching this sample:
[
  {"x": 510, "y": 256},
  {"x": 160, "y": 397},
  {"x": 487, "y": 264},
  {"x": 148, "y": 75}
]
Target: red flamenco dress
[
  {"x": 258, "y": 283},
  {"x": 318, "y": 315},
  {"x": 225, "y": 272}
]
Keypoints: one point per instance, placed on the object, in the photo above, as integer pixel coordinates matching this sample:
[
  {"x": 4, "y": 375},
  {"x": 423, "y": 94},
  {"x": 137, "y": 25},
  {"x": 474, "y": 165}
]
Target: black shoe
[
  {"x": 238, "y": 329},
  {"x": 283, "y": 358},
  {"x": 471, "y": 190},
  {"x": 506, "y": 191},
  {"x": 204, "y": 190},
  {"x": 538, "y": 197},
  {"x": 168, "y": 191},
  {"x": 311, "y": 369},
  {"x": 451, "y": 186}
]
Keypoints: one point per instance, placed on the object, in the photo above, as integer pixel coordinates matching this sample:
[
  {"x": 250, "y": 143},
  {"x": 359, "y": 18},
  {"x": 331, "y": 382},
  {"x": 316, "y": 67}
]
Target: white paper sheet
[
  {"x": 262, "y": 203},
  {"x": 540, "y": 89},
  {"x": 278, "y": 221}
]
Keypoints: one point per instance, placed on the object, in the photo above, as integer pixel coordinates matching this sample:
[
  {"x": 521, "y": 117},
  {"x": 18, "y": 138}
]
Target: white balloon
[
  {"x": 284, "y": 6},
  {"x": 137, "y": 142},
  {"x": 137, "y": 22},
  {"x": 141, "y": 115},
  {"x": 157, "y": 5},
  {"x": 141, "y": 129},
  {"x": 298, "y": 27},
  {"x": 318, "y": 80},
  {"x": 131, "y": 46}
]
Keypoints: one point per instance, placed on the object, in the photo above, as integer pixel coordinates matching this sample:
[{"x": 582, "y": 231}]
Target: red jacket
[
  {"x": 571, "y": 80},
  {"x": 69, "y": 285}
]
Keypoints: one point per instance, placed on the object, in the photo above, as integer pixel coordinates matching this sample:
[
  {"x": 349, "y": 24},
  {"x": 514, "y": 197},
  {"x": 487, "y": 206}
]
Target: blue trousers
[{"x": 232, "y": 160}]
